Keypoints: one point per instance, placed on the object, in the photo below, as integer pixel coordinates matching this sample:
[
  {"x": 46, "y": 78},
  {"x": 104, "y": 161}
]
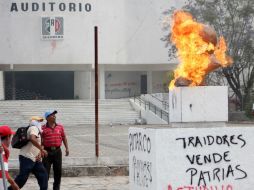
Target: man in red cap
[{"x": 6, "y": 134}]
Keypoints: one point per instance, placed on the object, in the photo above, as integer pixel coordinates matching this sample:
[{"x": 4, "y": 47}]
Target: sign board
[
  {"x": 52, "y": 28},
  {"x": 191, "y": 158}
]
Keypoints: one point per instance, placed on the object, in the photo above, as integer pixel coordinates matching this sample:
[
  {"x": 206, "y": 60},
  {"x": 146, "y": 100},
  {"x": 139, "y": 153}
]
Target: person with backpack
[
  {"x": 30, "y": 157},
  {"x": 5, "y": 134},
  {"x": 53, "y": 136}
]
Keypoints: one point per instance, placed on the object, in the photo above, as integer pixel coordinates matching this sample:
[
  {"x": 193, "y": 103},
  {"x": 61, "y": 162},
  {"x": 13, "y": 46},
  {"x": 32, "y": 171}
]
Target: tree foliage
[{"x": 234, "y": 20}]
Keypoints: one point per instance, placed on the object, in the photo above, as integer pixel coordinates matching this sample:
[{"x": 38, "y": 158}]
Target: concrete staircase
[{"x": 70, "y": 112}]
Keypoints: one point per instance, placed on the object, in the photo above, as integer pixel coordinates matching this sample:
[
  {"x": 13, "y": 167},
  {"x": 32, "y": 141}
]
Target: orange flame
[{"x": 198, "y": 49}]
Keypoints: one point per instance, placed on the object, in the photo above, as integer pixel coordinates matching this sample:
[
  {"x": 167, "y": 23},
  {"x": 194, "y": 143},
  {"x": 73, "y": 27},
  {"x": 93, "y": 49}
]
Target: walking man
[
  {"x": 5, "y": 134},
  {"x": 52, "y": 137},
  {"x": 30, "y": 157}
]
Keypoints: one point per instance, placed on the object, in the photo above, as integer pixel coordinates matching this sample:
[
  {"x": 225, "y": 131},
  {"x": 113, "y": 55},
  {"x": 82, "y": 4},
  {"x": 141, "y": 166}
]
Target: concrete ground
[{"x": 113, "y": 147}]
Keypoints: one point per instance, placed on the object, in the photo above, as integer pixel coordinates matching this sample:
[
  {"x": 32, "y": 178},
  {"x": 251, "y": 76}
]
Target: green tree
[{"x": 234, "y": 20}]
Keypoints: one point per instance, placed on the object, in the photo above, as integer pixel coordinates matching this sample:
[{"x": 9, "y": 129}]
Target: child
[{"x": 5, "y": 134}]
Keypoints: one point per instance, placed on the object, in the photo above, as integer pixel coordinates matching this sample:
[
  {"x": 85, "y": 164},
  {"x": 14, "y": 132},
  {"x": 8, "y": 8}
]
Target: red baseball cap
[{"x": 5, "y": 130}]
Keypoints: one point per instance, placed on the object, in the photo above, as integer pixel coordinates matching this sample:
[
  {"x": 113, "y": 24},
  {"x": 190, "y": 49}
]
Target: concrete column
[
  {"x": 2, "y": 85},
  {"x": 101, "y": 82},
  {"x": 149, "y": 82},
  {"x": 82, "y": 85},
  {"x": 92, "y": 84}
]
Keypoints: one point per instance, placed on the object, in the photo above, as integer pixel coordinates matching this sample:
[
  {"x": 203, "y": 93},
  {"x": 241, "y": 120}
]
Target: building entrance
[
  {"x": 30, "y": 85},
  {"x": 143, "y": 82}
]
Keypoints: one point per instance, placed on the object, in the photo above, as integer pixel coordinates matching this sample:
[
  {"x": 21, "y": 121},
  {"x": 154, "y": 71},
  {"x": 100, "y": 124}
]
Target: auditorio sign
[{"x": 50, "y": 7}]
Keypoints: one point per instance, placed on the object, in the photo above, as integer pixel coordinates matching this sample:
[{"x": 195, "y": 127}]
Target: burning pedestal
[
  {"x": 204, "y": 158},
  {"x": 200, "y": 157},
  {"x": 198, "y": 104}
]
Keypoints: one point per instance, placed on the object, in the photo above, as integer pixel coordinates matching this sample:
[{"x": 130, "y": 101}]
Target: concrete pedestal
[
  {"x": 198, "y": 104},
  {"x": 191, "y": 158}
]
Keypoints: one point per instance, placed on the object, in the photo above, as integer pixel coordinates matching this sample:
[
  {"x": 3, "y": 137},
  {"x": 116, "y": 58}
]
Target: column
[
  {"x": 82, "y": 85},
  {"x": 1, "y": 85},
  {"x": 101, "y": 82},
  {"x": 149, "y": 82}
]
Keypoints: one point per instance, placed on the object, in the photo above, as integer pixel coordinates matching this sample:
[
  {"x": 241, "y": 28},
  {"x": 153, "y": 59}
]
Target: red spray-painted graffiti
[{"x": 203, "y": 187}]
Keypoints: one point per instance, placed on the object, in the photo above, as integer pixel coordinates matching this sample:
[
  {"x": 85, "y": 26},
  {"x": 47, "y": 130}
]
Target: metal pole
[
  {"x": 96, "y": 91},
  {"x": 2, "y": 168}
]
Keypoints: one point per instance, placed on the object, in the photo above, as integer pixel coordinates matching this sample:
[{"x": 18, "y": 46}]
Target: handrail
[
  {"x": 150, "y": 106},
  {"x": 164, "y": 104},
  {"x": 162, "y": 101}
]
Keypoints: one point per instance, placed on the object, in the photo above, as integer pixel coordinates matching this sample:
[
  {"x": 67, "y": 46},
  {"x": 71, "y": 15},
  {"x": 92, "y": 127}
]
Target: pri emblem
[{"x": 52, "y": 28}]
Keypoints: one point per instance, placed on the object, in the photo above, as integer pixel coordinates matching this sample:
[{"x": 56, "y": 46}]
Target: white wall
[
  {"x": 129, "y": 33},
  {"x": 176, "y": 158}
]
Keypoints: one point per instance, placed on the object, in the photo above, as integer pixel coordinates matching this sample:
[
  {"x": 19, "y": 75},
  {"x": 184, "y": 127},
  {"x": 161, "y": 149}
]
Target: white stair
[{"x": 70, "y": 112}]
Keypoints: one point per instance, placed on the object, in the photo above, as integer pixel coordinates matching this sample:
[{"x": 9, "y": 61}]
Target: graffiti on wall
[
  {"x": 120, "y": 87},
  {"x": 140, "y": 143},
  {"x": 222, "y": 165}
]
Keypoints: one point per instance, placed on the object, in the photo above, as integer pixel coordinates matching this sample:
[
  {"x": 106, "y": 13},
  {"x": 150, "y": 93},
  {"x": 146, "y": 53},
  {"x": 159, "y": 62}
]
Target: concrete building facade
[{"x": 47, "y": 48}]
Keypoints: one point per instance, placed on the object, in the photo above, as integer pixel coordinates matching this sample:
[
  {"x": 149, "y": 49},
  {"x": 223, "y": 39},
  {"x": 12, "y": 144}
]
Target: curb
[{"x": 77, "y": 171}]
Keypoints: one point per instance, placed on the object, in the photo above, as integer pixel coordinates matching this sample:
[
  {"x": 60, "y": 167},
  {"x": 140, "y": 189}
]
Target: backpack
[{"x": 20, "y": 138}]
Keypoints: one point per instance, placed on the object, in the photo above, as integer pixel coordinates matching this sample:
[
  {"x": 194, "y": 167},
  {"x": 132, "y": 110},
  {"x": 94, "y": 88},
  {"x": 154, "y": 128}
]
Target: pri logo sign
[{"x": 52, "y": 28}]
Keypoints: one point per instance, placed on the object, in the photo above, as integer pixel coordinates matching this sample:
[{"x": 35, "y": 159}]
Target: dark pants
[
  {"x": 54, "y": 157},
  {"x": 26, "y": 167}
]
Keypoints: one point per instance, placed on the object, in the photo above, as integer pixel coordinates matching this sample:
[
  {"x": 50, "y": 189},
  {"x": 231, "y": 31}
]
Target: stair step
[{"x": 70, "y": 112}]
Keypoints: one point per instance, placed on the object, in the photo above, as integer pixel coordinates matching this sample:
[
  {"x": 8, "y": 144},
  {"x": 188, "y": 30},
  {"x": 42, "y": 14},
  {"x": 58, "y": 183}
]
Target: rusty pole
[{"x": 96, "y": 91}]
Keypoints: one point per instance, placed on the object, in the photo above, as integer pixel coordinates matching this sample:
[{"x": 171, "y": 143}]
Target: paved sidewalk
[
  {"x": 113, "y": 146},
  {"x": 85, "y": 183}
]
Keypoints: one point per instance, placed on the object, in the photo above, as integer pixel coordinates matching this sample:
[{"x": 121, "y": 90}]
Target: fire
[{"x": 198, "y": 50}]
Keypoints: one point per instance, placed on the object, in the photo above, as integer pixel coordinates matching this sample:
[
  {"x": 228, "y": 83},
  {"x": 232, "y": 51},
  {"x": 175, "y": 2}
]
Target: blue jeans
[{"x": 26, "y": 167}]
